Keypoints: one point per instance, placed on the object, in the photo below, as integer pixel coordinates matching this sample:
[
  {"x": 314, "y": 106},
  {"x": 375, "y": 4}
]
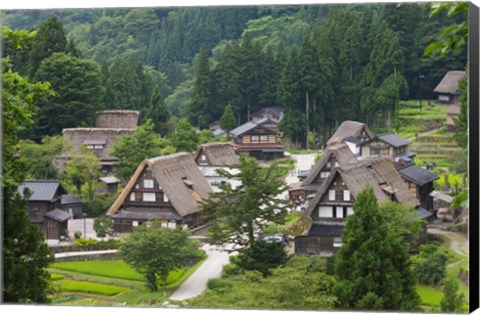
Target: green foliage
[
  {"x": 82, "y": 175},
  {"x": 261, "y": 256},
  {"x": 85, "y": 242},
  {"x": 102, "y": 226},
  {"x": 228, "y": 121},
  {"x": 185, "y": 138},
  {"x": 234, "y": 213},
  {"x": 159, "y": 114},
  {"x": 452, "y": 301},
  {"x": 299, "y": 285},
  {"x": 25, "y": 253},
  {"x": 39, "y": 158},
  {"x": 462, "y": 120},
  {"x": 155, "y": 251},
  {"x": 79, "y": 89},
  {"x": 105, "y": 268},
  {"x": 49, "y": 39},
  {"x": 131, "y": 150},
  {"x": 77, "y": 235},
  {"x": 429, "y": 266},
  {"x": 372, "y": 268}
]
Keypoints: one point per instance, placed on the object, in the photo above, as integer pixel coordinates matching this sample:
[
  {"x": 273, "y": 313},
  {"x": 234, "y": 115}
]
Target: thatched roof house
[
  {"x": 216, "y": 154},
  {"x": 110, "y": 125},
  {"x": 169, "y": 188},
  {"x": 335, "y": 155},
  {"x": 334, "y": 200},
  {"x": 448, "y": 89},
  {"x": 352, "y": 133}
]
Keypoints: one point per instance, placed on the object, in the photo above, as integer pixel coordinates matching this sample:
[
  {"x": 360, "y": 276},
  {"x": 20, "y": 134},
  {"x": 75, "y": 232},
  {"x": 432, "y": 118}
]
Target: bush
[
  {"x": 77, "y": 235},
  {"x": 261, "y": 256},
  {"x": 218, "y": 284},
  {"x": 85, "y": 242},
  {"x": 430, "y": 265}
]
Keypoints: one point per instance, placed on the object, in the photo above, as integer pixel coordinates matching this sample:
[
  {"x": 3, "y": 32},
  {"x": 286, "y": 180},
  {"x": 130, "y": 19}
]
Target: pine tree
[
  {"x": 201, "y": 110},
  {"x": 372, "y": 268},
  {"x": 158, "y": 113},
  {"x": 50, "y": 39},
  {"x": 452, "y": 301},
  {"x": 228, "y": 121}
]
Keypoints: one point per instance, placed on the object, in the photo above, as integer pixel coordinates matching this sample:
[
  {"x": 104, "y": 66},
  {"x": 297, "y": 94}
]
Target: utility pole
[{"x": 306, "y": 144}]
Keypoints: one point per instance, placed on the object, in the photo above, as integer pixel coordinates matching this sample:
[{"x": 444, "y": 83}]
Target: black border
[{"x": 473, "y": 101}]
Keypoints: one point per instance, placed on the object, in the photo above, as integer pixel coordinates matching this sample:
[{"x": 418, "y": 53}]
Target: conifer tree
[
  {"x": 201, "y": 109},
  {"x": 372, "y": 268},
  {"x": 158, "y": 113},
  {"x": 227, "y": 121}
]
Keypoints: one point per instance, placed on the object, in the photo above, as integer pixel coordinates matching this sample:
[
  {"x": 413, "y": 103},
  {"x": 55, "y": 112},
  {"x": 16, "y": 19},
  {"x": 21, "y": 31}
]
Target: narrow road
[
  {"x": 458, "y": 242},
  {"x": 211, "y": 268}
]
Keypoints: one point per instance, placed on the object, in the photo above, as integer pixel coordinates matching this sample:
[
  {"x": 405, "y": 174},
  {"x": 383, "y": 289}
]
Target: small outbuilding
[{"x": 448, "y": 89}]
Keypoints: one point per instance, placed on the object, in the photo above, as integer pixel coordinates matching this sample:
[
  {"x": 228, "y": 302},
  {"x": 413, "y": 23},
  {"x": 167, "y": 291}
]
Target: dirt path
[
  {"x": 458, "y": 242},
  {"x": 424, "y": 133}
]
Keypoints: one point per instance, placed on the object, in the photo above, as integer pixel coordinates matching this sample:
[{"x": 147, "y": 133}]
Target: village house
[
  {"x": 111, "y": 185},
  {"x": 211, "y": 157},
  {"x": 448, "y": 89},
  {"x": 49, "y": 206},
  {"x": 333, "y": 202},
  {"x": 452, "y": 113},
  {"x": 257, "y": 140},
  {"x": 275, "y": 113},
  {"x": 335, "y": 155},
  {"x": 353, "y": 134},
  {"x": 420, "y": 183},
  {"x": 109, "y": 125},
  {"x": 169, "y": 188},
  {"x": 388, "y": 145}
]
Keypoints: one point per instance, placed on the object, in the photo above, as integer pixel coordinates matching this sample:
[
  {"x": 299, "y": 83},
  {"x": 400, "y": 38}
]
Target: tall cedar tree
[
  {"x": 228, "y": 121},
  {"x": 201, "y": 107},
  {"x": 78, "y": 84},
  {"x": 155, "y": 251},
  {"x": 236, "y": 214},
  {"x": 372, "y": 268},
  {"x": 158, "y": 113},
  {"x": 50, "y": 39},
  {"x": 131, "y": 150},
  {"x": 25, "y": 253}
]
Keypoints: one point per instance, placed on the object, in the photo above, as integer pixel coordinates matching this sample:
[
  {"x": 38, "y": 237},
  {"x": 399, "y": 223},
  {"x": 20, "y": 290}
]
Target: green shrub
[
  {"x": 218, "y": 284},
  {"x": 77, "y": 235},
  {"x": 261, "y": 256},
  {"x": 85, "y": 242},
  {"x": 430, "y": 265},
  {"x": 231, "y": 269}
]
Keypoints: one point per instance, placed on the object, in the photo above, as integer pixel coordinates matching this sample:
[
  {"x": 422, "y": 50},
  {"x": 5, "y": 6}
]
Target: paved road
[
  {"x": 211, "y": 268},
  {"x": 97, "y": 252},
  {"x": 458, "y": 242}
]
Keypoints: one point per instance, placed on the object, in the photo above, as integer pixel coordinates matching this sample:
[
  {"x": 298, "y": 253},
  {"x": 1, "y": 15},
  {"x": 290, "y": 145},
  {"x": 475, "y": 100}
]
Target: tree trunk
[
  {"x": 306, "y": 110},
  {"x": 152, "y": 281},
  {"x": 251, "y": 237}
]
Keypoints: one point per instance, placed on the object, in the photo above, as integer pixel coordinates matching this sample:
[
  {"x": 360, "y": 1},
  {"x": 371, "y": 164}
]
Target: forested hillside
[{"x": 321, "y": 63}]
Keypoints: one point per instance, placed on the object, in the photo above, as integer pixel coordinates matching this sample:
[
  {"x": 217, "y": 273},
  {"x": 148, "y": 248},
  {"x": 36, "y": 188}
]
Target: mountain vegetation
[{"x": 321, "y": 63}]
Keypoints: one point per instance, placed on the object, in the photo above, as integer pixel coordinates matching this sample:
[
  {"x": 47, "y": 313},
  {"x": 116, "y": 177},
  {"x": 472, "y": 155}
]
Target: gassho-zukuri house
[
  {"x": 168, "y": 188},
  {"x": 324, "y": 219}
]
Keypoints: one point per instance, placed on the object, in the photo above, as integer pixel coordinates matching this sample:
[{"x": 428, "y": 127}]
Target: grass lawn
[{"x": 90, "y": 287}]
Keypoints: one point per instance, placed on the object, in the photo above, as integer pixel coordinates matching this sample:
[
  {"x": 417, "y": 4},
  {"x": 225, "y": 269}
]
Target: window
[
  {"x": 336, "y": 164},
  {"x": 149, "y": 197},
  {"x": 172, "y": 224},
  {"x": 255, "y": 138},
  {"x": 325, "y": 212},
  {"x": 148, "y": 183},
  {"x": 324, "y": 174},
  {"x": 137, "y": 186},
  {"x": 98, "y": 146},
  {"x": 165, "y": 198},
  {"x": 339, "y": 212},
  {"x": 263, "y": 138},
  {"x": 337, "y": 242},
  {"x": 349, "y": 211},
  {"x": 346, "y": 195},
  {"x": 443, "y": 98},
  {"x": 89, "y": 146},
  {"x": 134, "y": 223},
  {"x": 203, "y": 157},
  {"x": 132, "y": 196},
  {"x": 331, "y": 195}
]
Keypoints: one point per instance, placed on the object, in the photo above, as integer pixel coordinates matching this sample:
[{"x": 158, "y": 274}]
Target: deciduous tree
[{"x": 155, "y": 251}]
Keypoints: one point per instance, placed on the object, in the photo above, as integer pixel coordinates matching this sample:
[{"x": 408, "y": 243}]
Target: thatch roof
[
  {"x": 128, "y": 119},
  {"x": 217, "y": 153},
  {"x": 348, "y": 129},
  {"x": 171, "y": 172},
  {"x": 341, "y": 152},
  {"x": 449, "y": 83},
  {"x": 376, "y": 172}
]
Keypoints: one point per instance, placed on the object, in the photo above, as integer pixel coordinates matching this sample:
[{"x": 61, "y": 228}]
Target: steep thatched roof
[
  {"x": 127, "y": 119},
  {"x": 449, "y": 83},
  {"x": 348, "y": 129},
  {"x": 217, "y": 153},
  {"x": 376, "y": 172},
  {"x": 173, "y": 172},
  {"x": 341, "y": 152}
]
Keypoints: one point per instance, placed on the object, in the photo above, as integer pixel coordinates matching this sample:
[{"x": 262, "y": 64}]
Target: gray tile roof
[
  {"x": 42, "y": 190},
  {"x": 59, "y": 215},
  {"x": 243, "y": 128},
  {"x": 393, "y": 140},
  {"x": 418, "y": 175},
  {"x": 69, "y": 199}
]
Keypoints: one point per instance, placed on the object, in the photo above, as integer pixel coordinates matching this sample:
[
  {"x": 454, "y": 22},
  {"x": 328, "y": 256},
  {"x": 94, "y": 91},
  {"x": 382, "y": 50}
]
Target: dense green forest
[{"x": 321, "y": 63}]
